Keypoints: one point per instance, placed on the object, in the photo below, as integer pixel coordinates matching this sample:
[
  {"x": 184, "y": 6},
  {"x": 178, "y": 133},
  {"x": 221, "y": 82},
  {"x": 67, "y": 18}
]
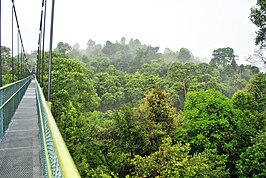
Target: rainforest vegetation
[{"x": 126, "y": 109}]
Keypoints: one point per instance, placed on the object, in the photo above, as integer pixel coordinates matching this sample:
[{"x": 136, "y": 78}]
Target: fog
[{"x": 200, "y": 26}]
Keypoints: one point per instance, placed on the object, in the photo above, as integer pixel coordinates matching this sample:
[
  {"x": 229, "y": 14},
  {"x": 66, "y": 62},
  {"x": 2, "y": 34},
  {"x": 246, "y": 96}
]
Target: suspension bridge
[{"x": 30, "y": 142}]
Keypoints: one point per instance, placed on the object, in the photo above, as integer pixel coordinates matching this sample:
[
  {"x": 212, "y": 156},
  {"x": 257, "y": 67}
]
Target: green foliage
[
  {"x": 132, "y": 134},
  {"x": 70, "y": 82},
  {"x": 185, "y": 55},
  {"x": 211, "y": 121},
  {"x": 62, "y": 48},
  {"x": 252, "y": 120},
  {"x": 179, "y": 77},
  {"x": 87, "y": 138},
  {"x": 257, "y": 87},
  {"x": 257, "y": 16},
  {"x": 170, "y": 55},
  {"x": 249, "y": 123},
  {"x": 244, "y": 101},
  {"x": 7, "y": 66},
  {"x": 6, "y": 79},
  {"x": 99, "y": 64},
  {"x": 252, "y": 162},
  {"x": 175, "y": 161},
  {"x": 110, "y": 89},
  {"x": 222, "y": 57},
  {"x": 157, "y": 68},
  {"x": 157, "y": 107},
  {"x": 140, "y": 131},
  {"x": 137, "y": 85},
  {"x": 109, "y": 139}
]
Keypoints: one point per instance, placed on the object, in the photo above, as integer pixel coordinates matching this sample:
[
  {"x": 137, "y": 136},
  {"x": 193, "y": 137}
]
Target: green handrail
[
  {"x": 10, "y": 97},
  {"x": 52, "y": 138}
]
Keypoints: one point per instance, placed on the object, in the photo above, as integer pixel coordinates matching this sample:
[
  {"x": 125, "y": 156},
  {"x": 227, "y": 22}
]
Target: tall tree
[
  {"x": 185, "y": 55},
  {"x": 223, "y": 57},
  {"x": 258, "y": 17},
  {"x": 63, "y": 48},
  {"x": 211, "y": 121},
  {"x": 90, "y": 44},
  {"x": 71, "y": 82}
]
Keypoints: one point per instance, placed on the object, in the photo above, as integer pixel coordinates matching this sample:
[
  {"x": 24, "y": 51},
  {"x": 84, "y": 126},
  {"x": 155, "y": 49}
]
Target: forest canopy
[{"x": 127, "y": 110}]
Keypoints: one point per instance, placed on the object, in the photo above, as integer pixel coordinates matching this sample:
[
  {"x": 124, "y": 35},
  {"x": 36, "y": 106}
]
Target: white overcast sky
[{"x": 199, "y": 25}]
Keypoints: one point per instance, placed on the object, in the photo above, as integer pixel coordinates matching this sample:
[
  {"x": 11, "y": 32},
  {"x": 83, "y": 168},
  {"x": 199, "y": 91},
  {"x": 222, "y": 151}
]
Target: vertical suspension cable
[
  {"x": 43, "y": 37},
  {"x": 37, "y": 62},
  {"x": 40, "y": 46},
  {"x": 50, "y": 52},
  {"x": 12, "y": 33},
  {"x": 23, "y": 67},
  {"x": 18, "y": 57},
  {"x": 0, "y": 45},
  {"x": 22, "y": 46},
  {"x": 21, "y": 56}
]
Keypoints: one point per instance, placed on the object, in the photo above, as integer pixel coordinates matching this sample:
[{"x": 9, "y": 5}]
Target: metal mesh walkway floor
[{"x": 20, "y": 148}]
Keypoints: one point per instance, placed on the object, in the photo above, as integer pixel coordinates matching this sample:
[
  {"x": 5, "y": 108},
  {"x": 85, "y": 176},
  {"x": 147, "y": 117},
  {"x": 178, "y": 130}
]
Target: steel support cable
[
  {"x": 21, "y": 56},
  {"x": 37, "y": 61},
  {"x": 39, "y": 46},
  {"x": 12, "y": 45},
  {"x": 18, "y": 56},
  {"x": 39, "y": 49},
  {"x": 43, "y": 37},
  {"x": 22, "y": 45},
  {"x": 50, "y": 52}
]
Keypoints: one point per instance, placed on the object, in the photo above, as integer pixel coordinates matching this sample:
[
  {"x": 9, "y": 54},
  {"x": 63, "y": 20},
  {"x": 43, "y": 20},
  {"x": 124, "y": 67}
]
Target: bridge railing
[
  {"x": 10, "y": 97},
  {"x": 55, "y": 157}
]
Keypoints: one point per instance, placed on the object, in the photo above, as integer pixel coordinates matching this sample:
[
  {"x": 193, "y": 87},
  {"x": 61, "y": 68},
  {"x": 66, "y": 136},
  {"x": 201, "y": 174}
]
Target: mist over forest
[
  {"x": 127, "y": 110},
  {"x": 77, "y": 49}
]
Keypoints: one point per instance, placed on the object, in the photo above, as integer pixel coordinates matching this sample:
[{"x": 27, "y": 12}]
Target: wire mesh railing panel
[
  {"x": 10, "y": 97},
  {"x": 55, "y": 157},
  {"x": 56, "y": 171},
  {"x": 49, "y": 159},
  {"x": 43, "y": 150}
]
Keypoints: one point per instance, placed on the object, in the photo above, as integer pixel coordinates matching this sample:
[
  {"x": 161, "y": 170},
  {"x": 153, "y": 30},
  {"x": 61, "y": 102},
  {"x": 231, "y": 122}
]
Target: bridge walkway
[{"x": 20, "y": 147}]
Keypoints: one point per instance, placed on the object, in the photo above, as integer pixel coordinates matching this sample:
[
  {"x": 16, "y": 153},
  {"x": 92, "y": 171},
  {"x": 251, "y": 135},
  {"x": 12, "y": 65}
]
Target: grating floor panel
[
  {"x": 26, "y": 124},
  {"x": 20, "y": 148},
  {"x": 16, "y": 163}
]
